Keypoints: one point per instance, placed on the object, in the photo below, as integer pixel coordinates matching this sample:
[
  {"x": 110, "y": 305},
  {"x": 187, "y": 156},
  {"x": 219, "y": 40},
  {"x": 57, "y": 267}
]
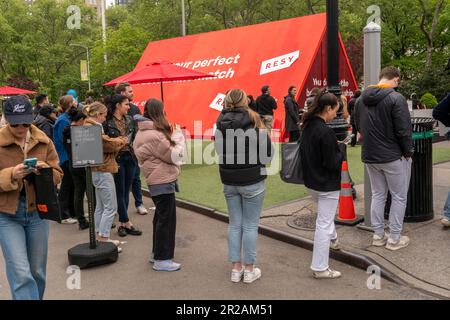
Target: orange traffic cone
[{"x": 347, "y": 214}]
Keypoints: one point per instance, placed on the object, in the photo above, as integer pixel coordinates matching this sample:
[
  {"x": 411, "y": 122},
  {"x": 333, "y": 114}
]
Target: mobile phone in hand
[{"x": 30, "y": 163}]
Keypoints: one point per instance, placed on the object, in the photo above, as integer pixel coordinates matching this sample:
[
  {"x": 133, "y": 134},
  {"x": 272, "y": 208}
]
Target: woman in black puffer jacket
[{"x": 244, "y": 148}]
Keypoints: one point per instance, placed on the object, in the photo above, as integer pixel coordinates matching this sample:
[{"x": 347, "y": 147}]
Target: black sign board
[{"x": 87, "y": 146}]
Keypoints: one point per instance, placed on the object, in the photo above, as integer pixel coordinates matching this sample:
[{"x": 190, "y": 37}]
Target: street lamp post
[
  {"x": 339, "y": 125},
  {"x": 183, "y": 19},
  {"x": 88, "y": 61}
]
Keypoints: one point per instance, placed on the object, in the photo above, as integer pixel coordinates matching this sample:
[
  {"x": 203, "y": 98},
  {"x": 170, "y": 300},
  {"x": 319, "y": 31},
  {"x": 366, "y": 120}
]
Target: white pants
[
  {"x": 327, "y": 203},
  {"x": 393, "y": 176}
]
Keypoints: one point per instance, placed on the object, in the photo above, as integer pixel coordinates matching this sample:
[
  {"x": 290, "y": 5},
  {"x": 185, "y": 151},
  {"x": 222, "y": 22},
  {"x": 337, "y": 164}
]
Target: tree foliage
[{"x": 35, "y": 41}]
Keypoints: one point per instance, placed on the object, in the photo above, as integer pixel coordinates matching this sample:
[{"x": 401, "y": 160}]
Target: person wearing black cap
[
  {"x": 23, "y": 234},
  {"x": 45, "y": 120}
]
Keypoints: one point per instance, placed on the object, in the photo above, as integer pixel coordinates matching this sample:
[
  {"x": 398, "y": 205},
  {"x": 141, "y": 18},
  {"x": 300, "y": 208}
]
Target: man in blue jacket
[
  {"x": 442, "y": 113},
  {"x": 66, "y": 192}
]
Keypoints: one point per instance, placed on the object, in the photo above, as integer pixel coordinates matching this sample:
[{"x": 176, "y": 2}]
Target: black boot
[{"x": 83, "y": 224}]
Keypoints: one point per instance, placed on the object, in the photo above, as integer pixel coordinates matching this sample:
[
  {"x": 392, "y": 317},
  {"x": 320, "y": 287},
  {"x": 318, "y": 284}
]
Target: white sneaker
[
  {"x": 250, "y": 276},
  {"x": 115, "y": 242},
  {"x": 378, "y": 241},
  {"x": 445, "y": 222},
  {"x": 327, "y": 274},
  {"x": 141, "y": 210},
  {"x": 236, "y": 275},
  {"x": 396, "y": 245},
  {"x": 69, "y": 221},
  {"x": 334, "y": 245}
]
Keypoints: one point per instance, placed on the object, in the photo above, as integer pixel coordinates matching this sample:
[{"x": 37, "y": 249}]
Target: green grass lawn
[{"x": 201, "y": 183}]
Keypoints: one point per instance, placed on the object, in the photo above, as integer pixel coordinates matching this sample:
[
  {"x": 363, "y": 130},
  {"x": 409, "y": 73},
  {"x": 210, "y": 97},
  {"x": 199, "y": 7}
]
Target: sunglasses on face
[{"x": 25, "y": 125}]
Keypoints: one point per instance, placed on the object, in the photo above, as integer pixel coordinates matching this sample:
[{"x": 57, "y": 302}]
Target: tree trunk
[{"x": 429, "y": 35}]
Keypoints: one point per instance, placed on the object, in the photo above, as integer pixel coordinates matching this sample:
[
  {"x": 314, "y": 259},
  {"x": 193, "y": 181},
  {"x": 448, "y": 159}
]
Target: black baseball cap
[{"x": 18, "y": 110}]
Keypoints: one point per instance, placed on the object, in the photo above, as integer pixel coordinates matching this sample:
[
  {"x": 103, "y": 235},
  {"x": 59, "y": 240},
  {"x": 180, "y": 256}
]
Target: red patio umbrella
[
  {"x": 11, "y": 91},
  {"x": 159, "y": 71}
]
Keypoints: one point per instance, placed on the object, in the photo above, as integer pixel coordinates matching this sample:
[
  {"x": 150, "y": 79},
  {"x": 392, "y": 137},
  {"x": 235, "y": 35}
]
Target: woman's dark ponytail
[
  {"x": 321, "y": 101},
  {"x": 111, "y": 102}
]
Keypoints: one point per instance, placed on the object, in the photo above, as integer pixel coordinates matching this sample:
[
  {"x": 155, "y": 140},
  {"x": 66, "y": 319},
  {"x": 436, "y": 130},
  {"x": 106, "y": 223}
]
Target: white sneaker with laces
[
  {"x": 445, "y": 222},
  {"x": 69, "y": 221},
  {"x": 236, "y": 275},
  {"x": 378, "y": 241},
  {"x": 327, "y": 274},
  {"x": 250, "y": 276},
  {"x": 141, "y": 210},
  {"x": 396, "y": 245}
]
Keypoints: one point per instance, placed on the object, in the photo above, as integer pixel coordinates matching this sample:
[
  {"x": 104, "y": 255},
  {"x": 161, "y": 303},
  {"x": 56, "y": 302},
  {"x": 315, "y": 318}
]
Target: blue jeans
[
  {"x": 447, "y": 207},
  {"x": 244, "y": 209},
  {"x": 106, "y": 202},
  {"x": 137, "y": 189},
  {"x": 24, "y": 242},
  {"x": 123, "y": 180}
]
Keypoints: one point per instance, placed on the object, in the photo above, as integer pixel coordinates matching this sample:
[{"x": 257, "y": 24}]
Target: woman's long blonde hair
[{"x": 237, "y": 98}]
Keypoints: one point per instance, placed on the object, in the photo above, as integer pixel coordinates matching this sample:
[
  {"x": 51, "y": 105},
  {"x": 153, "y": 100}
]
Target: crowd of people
[{"x": 148, "y": 144}]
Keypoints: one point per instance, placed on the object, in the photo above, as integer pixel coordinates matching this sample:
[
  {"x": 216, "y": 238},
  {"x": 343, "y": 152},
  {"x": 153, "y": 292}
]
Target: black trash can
[{"x": 420, "y": 194}]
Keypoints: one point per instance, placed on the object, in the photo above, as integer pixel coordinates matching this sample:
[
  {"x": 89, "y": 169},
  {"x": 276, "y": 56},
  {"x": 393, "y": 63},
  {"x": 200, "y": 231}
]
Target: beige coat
[
  {"x": 11, "y": 154},
  {"x": 159, "y": 161}
]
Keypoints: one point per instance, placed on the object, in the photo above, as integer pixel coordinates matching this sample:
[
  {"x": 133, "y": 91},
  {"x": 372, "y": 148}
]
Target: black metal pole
[
  {"x": 91, "y": 209},
  {"x": 339, "y": 125},
  {"x": 333, "y": 46}
]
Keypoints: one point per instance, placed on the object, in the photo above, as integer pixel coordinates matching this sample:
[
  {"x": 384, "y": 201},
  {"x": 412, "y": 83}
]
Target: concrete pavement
[
  {"x": 202, "y": 249},
  {"x": 424, "y": 264}
]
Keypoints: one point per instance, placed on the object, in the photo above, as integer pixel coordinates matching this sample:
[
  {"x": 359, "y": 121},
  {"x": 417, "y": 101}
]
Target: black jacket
[
  {"x": 110, "y": 128},
  {"x": 321, "y": 157},
  {"x": 382, "y": 117},
  {"x": 241, "y": 165},
  {"x": 45, "y": 124},
  {"x": 265, "y": 105},
  {"x": 351, "y": 108},
  {"x": 442, "y": 111},
  {"x": 134, "y": 110},
  {"x": 292, "y": 114}
]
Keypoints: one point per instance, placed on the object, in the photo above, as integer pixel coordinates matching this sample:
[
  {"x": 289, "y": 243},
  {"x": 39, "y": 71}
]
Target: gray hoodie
[{"x": 382, "y": 117}]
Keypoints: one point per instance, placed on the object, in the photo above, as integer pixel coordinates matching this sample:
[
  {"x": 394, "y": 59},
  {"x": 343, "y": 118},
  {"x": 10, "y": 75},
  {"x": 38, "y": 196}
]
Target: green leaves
[{"x": 34, "y": 40}]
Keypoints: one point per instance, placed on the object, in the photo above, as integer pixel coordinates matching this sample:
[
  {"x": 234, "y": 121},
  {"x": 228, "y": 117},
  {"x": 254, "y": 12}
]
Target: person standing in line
[
  {"x": 126, "y": 90},
  {"x": 351, "y": 109},
  {"x": 102, "y": 176},
  {"x": 67, "y": 188},
  {"x": 265, "y": 105},
  {"x": 119, "y": 124},
  {"x": 41, "y": 100},
  {"x": 292, "y": 122},
  {"x": 310, "y": 99},
  {"x": 45, "y": 120},
  {"x": 252, "y": 103},
  {"x": 23, "y": 234},
  {"x": 382, "y": 116},
  {"x": 321, "y": 160},
  {"x": 442, "y": 113},
  {"x": 243, "y": 175},
  {"x": 159, "y": 149},
  {"x": 78, "y": 174}
]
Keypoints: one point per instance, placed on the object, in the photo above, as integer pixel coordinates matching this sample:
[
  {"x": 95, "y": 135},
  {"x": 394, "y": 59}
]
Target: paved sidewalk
[
  {"x": 425, "y": 263},
  {"x": 201, "y": 247}
]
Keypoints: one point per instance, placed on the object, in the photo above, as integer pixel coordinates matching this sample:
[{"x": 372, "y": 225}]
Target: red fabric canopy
[
  {"x": 159, "y": 71},
  {"x": 11, "y": 91}
]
